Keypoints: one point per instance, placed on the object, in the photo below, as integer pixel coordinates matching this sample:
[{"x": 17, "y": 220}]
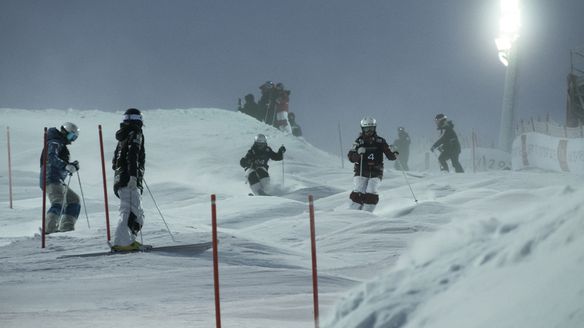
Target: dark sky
[{"x": 399, "y": 61}]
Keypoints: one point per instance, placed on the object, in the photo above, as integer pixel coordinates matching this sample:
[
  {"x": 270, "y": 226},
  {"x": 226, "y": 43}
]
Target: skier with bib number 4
[
  {"x": 367, "y": 154},
  {"x": 128, "y": 164},
  {"x": 255, "y": 164}
]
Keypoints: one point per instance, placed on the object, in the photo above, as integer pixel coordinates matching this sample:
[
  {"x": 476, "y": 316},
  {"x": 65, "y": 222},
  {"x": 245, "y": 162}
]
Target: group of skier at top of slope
[{"x": 128, "y": 164}]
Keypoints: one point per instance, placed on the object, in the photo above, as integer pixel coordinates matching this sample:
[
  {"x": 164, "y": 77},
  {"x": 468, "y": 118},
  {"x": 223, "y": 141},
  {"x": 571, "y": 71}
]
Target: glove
[
  {"x": 72, "y": 167},
  {"x": 432, "y": 149},
  {"x": 361, "y": 150},
  {"x": 133, "y": 183},
  {"x": 282, "y": 149},
  {"x": 395, "y": 153}
]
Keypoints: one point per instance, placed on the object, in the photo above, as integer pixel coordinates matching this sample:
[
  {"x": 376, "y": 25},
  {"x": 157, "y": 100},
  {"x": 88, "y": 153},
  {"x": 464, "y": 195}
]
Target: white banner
[{"x": 535, "y": 150}]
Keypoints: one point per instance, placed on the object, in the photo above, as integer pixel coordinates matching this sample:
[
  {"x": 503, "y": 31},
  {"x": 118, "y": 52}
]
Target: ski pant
[
  {"x": 364, "y": 195},
  {"x": 282, "y": 122},
  {"x": 60, "y": 194},
  {"x": 131, "y": 217},
  {"x": 453, "y": 157},
  {"x": 259, "y": 180}
]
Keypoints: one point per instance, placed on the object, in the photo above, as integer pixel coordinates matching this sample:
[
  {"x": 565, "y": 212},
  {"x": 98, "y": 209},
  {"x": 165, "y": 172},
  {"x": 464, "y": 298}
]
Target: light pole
[{"x": 509, "y": 25}]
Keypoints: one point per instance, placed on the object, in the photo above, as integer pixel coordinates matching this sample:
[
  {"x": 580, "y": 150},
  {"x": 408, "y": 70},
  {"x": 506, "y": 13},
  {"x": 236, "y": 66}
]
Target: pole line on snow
[
  {"x": 314, "y": 270},
  {"x": 107, "y": 222},
  {"x": 45, "y": 151},
  {"x": 215, "y": 261},
  {"x": 9, "y": 165},
  {"x": 159, "y": 212}
]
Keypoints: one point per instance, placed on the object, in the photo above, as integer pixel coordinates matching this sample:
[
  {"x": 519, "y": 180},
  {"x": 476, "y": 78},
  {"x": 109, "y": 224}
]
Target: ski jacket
[
  {"x": 448, "y": 141},
  {"x": 282, "y": 100},
  {"x": 258, "y": 157},
  {"x": 129, "y": 156},
  {"x": 372, "y": 159},
  {"x": 58, "y": 157}
]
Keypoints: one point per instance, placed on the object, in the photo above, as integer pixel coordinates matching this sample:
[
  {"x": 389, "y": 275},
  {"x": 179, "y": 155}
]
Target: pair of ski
[{"x": 187, "y": 249}]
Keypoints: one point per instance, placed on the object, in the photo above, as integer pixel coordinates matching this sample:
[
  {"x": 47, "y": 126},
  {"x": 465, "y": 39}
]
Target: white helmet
[
  {"x": 368, "y": 121},
  {"x": 70, "y": 130},
  {"x": 261, "y": 139}
]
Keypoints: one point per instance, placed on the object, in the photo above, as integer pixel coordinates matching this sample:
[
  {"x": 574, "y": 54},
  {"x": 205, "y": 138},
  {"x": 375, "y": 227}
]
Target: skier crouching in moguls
[
  {"x": 367, "y": 154},
  {"x": 255, "y": 164}
]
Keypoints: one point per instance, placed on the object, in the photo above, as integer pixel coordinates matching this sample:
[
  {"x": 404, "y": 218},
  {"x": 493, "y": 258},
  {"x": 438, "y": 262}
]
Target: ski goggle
[
  {"x": 72, "y": 136},
  {"x": 368, "y": 129}
]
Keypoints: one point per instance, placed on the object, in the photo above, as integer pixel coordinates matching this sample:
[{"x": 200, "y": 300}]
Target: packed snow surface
[{"x": 496, "y": 249}]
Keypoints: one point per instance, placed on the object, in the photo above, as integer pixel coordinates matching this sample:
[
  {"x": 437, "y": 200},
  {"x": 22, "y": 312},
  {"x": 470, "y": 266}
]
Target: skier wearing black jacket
[
  {"x": 448, "y": 144},
  {"x": 367, "y": 154},
  {"x": 128, "y": 164},
  {"x": 255, "y": 163}
]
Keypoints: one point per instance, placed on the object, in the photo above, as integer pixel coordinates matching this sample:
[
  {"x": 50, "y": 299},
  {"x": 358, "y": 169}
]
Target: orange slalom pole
[
  {"x": 45, "y": 152},
  {"x": 9, "y": 165},
  {"x": 215, "y": 261},
  {"x": 107, "y": 222},
  {"x": 314, "y": 270}
]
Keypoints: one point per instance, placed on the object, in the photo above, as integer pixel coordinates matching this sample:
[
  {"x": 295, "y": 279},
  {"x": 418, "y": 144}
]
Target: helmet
[
  {"x": 368, "y": 125},
  {"x": 261, "y": 139},
  {"x": 133, "y": 116},
  {"x": 401, "y": 129},
  {"x": 440, "y": 119},
  {"x": 368, "y": 122},
  {"x": 70, "y": 130},
  {"x": 267, "y": 85}
]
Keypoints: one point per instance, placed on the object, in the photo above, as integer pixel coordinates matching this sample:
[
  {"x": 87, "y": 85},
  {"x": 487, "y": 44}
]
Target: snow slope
[{"x": 498, "y": 249}]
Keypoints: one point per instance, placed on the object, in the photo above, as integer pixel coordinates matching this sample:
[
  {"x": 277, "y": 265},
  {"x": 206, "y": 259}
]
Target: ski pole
[
  {"x": 159, "y": 212},
  {"x": 83, "y": 198},
  {"x": 407, "y": 181}
]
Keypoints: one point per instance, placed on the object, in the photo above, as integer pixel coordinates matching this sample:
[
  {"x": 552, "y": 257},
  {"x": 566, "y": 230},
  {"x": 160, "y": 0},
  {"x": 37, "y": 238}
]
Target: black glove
[
  {"x": 396, "y": 153},
  {"x": 282, "y": 149},
  {"x": 432, "y": 149}
]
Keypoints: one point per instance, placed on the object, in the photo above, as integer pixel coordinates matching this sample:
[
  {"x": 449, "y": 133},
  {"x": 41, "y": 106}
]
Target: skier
[
  {"x": 128, "y": 164},
  {"x": 255, "y": 164},
  {"x": 448, "y": 144},
  {"x": 367, "y": 154},
  {"x": 65, "y": 207},
  {"x": 402, "y": 144},
  {"x": 282, "y": 98},
  {"x": 267, "y": 102},
  {"x": 251, "y": 108},
  {"x": 296, "y": 130}
]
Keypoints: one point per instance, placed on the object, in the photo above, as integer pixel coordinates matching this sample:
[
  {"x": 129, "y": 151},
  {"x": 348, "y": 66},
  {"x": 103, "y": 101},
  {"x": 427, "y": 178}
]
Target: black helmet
[
  {"x": 440, "y": 120},
  {"x": 249, "y": 97},
  {"x": 133, "y": 116}
]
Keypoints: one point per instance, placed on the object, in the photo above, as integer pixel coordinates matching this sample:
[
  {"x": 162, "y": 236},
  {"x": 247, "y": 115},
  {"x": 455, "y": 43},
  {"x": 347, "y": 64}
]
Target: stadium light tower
[{"x": 509, "y": 25}]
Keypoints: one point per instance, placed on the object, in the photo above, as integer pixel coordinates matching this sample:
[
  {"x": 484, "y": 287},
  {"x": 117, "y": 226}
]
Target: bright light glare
[{"x": 509, "y": 25}]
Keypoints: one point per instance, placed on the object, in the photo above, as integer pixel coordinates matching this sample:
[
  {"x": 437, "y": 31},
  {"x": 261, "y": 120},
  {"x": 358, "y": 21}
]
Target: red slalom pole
[
  {"x": 107, "y": 223},
  {"x": 314, "y": 271},
  {"x": 45, "y": 152},
  {"x": 215, "y": 261},
  {"x": 9, "y": 165}
]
